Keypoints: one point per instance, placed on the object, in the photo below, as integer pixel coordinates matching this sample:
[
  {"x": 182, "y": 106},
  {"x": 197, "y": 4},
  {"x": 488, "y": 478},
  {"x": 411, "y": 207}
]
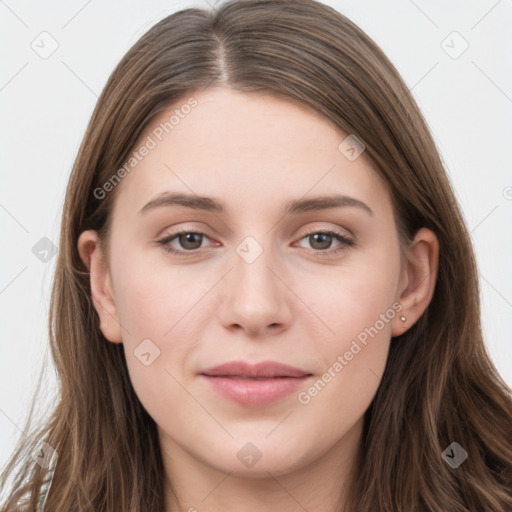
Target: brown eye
[
  {"x": 322, "y": 240},
  {"x": 190, "y": 241}
]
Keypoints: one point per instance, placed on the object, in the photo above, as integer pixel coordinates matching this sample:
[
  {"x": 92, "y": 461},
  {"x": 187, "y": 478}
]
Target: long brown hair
[{"x": 439, "y": 385}]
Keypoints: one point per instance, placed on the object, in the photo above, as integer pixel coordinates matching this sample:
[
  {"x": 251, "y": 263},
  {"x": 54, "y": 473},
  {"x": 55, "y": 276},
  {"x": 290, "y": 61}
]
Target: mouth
[
  {"x": 264, "y": 370},
  {"x": 255, "y": 385}
]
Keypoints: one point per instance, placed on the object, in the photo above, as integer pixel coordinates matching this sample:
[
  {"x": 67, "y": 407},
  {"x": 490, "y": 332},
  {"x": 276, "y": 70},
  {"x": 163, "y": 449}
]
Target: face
[{"x": 316, "y": 287}]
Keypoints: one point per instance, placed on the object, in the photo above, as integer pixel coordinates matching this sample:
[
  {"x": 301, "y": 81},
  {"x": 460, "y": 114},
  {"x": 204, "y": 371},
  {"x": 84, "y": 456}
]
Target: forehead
[{"x": 245, "y": 148}]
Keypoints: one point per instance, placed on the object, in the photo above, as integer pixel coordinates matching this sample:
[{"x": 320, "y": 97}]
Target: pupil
[
  {"x": 189, "y": 238},
  {"x": 326, "y": 241}
]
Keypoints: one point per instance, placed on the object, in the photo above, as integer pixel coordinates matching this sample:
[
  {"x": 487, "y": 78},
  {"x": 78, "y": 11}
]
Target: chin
[{"x": 256, "y": 459}]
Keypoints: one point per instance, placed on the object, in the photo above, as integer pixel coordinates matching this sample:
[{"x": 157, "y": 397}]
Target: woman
[{"x": 266, "y": 297}]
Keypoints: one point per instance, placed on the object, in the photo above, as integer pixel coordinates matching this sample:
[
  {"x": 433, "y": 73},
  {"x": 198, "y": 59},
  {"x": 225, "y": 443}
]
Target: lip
[{"x": 255, "y": 385}]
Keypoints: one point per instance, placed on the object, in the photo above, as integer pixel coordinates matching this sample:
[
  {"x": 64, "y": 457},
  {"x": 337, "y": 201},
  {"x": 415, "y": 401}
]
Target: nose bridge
[
  {"x": 252, "y": 262},
  {"x": 256, "y": 296}
]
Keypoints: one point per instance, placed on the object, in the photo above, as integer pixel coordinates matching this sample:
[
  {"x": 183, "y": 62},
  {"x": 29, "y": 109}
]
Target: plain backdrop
[{"x": 454, "y": 56}]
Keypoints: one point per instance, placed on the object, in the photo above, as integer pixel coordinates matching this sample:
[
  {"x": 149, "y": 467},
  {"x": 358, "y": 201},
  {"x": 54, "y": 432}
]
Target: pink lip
[{"x": 274, "y": 381}]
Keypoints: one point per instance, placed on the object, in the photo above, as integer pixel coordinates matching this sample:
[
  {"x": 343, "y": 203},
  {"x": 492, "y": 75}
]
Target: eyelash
[{"x": 345, "y": 242}]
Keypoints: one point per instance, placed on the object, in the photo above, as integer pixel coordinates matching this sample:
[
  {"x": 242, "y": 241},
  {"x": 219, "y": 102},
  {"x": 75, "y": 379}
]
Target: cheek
[
  {"x": 360, "y": 318},
  {"x": 353, "y": 361},
  {"x": 155, "y": 309},
  {"x": 352, "y": 298},
  {"x": 153, "y": 299},
  {"x": 358, "y": 305}
]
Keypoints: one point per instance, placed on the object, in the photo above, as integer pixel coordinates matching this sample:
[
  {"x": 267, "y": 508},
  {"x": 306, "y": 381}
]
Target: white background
[{"x": 46, "y": 103}]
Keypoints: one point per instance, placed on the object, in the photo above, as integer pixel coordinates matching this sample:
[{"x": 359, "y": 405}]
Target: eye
[
  {"x": 323, "y": 240},
  {"x": 189, "y": 240}
]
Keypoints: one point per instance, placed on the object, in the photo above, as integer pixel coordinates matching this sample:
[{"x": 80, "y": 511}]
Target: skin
[{"x": 254, "y": 152}]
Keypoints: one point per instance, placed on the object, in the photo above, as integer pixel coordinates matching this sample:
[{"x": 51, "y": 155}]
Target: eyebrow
[{"x": 213, "y": 205}]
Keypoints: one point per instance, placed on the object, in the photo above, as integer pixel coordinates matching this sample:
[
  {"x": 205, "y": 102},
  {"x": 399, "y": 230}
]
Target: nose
[{"x": 255, "y": 297}]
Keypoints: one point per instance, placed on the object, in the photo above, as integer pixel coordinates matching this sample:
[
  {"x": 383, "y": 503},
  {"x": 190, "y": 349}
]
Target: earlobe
[
  {"x": 102, "y": 294},
  {"x": 420, "y": 279}
]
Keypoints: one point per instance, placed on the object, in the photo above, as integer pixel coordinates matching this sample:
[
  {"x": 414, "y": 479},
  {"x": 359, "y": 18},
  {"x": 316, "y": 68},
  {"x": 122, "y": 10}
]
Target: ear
[
  {"x": 101, "y": 285},
  {"x": 418, "y": 279}
]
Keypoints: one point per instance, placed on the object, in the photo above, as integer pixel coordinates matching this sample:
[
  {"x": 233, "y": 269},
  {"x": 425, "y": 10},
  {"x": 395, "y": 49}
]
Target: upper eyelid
[{"x": 185, "y": 227}]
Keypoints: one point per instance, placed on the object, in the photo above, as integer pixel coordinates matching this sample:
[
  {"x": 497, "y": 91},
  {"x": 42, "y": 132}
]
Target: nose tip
[{"x": 255, "y": 302}]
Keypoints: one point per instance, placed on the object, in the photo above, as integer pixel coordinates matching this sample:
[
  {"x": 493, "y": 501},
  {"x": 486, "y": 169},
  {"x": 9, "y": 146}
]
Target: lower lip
[{"x": 255, "y": 392}]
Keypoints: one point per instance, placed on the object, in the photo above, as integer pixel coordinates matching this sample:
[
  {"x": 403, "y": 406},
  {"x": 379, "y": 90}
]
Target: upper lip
[{"x": 265, "y": 369}]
